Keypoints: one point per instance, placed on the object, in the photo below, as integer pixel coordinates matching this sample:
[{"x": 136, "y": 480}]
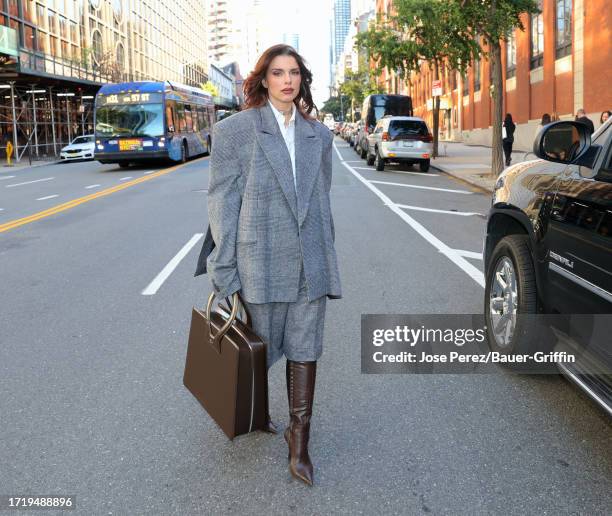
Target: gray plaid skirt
[{"x": 292, "y": 329}]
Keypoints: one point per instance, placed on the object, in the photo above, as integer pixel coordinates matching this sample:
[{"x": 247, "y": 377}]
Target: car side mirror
[{"x": 562, "y": 142}]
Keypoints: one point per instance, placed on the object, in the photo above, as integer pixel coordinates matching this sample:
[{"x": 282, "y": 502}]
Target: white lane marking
[
  {"x": 469, "y": 254},
  {"x": 1, "y": 209},
  {"x": 354, "y": 161},
  {"x": 47, "y": 197},
  {"x": 451, "y": 254},
  {"x": 447, "y": 212},
  {"x": 149, "y": 172},
  {"x": 420, "y": 174},
  {"x": 30, "y": 182},
  {"x": 91, "y": 186},
  {"x": 125, "y": 178},
  {"x": 158, "y": 281},
  {"x": 422, "y": 187},
  {"x": 6, "y": 177}
]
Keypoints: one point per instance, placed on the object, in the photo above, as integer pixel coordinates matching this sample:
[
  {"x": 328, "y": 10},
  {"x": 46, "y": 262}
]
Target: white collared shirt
[{"x": 288, "y": 134}]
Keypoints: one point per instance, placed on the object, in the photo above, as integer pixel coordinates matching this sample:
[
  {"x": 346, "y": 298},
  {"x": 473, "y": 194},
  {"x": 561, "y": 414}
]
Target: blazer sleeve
[
  {"x": 224, "y": 203},
  {"x": 327, "y": 170}
]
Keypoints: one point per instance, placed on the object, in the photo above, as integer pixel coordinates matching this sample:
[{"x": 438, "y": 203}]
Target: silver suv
[{"x": 400, "y": 139}]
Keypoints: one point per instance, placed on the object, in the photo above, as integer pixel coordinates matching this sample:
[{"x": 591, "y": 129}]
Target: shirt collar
[{"x": 280, "y": 118}]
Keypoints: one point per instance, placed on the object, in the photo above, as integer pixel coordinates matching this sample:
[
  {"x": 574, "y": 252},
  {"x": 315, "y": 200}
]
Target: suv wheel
[
  {"x": 424, "y": 165},
  {"x": 364, "y": 154},
  {"x": 370, "y": 159},
  {"x": 379, "y": 162},
  {"x": 511, "y": 291},
  {"x": 124, "y": 164}
]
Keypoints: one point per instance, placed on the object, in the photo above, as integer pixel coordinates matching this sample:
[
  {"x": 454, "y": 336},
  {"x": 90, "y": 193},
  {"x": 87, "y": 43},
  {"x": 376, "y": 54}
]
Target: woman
[
  {"x": 604, "y": 116},
  {"x": 271, "y": 222},
  {"x": 508, "y": 140}
]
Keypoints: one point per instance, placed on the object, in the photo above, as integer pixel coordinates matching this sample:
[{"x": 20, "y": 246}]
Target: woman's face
[{"x": 283, "y": 79}]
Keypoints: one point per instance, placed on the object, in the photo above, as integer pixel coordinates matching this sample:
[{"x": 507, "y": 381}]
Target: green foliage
[
  {"x": 436, "y": 31},
  {"x": 209, "y": 87},
  {"x": 358, "y": 85},
  {"x": 495, "y": 19},
  {"x": 332, "y": 105}
]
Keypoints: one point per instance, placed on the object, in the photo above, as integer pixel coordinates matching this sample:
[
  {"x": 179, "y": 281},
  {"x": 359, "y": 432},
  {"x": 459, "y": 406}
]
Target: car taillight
[
  {"x": 385, "y": 136},
  {"x": 427, "y": 138}
]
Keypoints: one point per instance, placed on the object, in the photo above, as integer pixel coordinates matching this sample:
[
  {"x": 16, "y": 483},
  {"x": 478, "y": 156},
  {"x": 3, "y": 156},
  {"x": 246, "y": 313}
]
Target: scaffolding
[{"x": 41, "y": 119}]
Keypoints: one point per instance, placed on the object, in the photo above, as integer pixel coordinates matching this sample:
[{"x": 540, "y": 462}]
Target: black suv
[{"x": 548, "y": 250}]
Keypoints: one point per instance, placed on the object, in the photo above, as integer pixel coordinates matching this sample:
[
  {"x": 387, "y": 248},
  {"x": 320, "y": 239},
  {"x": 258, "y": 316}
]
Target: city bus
[{"x": 142, "y": 121}]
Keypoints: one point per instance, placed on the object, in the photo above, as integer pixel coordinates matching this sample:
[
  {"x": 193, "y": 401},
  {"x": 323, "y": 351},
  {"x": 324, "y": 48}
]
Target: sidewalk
[
  {"x": 24, "y": 163},
  {"x": 471, "y": 163}
]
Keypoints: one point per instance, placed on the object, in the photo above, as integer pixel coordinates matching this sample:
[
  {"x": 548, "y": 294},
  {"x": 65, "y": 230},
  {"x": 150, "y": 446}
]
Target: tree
[
  {"x": 435, "y": 32},
  {"x": 332, "y": 105},
  {"x": 358, "y": 85},
  {"x": 494, "y": 20}
]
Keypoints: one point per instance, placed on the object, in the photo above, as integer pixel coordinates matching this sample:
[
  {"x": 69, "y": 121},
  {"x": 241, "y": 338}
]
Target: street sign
[{"x": 436, "y": 88}]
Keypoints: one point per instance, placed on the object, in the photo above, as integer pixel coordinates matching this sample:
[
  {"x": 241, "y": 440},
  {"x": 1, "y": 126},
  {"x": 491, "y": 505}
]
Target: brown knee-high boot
[{"x": 300, "y": 392}]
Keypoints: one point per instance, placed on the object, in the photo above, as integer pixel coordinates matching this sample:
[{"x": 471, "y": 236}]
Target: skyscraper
[{"x": 342, "y": 22}]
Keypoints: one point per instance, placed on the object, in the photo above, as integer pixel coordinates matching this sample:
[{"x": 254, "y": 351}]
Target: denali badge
[{"x": 561, "y": 259}]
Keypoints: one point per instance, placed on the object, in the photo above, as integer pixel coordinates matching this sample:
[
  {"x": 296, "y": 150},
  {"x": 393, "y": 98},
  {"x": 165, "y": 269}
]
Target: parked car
[
  {"x": 82, "y": 147},
  {"x": 548, "y": 250},
  {"x": 400, "y": 139},
  {"x": 374, "y": 108},
  {"x": 352, "y": 134},
  {"x": 328, "y": 121},
  {"x": 337, "y": 127}
]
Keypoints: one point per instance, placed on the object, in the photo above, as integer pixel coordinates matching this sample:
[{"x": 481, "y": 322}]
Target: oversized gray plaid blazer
[{"x": 259, "y": 228}]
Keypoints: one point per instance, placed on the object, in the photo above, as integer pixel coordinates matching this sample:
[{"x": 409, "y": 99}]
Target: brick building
[{"x": 558, "y": 64}]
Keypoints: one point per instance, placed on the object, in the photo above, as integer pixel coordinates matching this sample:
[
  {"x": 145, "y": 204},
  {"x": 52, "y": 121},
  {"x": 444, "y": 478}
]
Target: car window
[
  {"x": 407, "y": 128},
  {"x": 82, "y": 139}
]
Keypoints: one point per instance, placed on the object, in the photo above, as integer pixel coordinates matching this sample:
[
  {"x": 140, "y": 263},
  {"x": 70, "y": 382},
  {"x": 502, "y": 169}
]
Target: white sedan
[{"x": 82, "y": 147}]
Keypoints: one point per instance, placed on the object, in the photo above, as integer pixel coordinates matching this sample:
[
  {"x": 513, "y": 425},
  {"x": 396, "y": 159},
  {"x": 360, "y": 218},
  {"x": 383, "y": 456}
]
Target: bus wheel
[
  {"x": 124, "y": 164},
  {"x": 184, "y": 152}
]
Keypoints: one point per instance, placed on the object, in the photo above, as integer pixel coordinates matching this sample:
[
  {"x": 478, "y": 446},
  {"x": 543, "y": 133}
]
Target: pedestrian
[
  {"x": 581, "y": 117},
  {"x": 545, "y": 119},
  {"x": 270, "y": 218},
  {"x": 604, "y": 116},
  {"x": 508, "y": 138}
]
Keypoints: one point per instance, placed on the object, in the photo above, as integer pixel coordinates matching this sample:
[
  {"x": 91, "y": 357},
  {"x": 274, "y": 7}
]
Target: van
[{"x": 374, "y": 108}]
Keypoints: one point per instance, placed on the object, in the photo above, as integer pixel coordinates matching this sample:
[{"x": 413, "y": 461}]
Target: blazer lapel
[
  {"x": 271, "y": 141},
  {"x": 307, "y": 163}
]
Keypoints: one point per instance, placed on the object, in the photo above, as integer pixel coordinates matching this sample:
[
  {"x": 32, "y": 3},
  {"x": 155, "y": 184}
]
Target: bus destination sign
[{"x": 128, "y": 98}]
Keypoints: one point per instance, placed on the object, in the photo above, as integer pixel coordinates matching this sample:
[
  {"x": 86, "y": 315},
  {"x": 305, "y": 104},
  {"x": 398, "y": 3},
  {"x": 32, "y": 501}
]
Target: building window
[
  {"x": 476, "y": 72},
  {"x": 511, "y": 56},
  {"x": 29, "y": 41},
  {"x": 465, "y": 85},
  {"x": 563, "y": 28},
  {"x": 537, "y": 38},
  {"x": 96, "y": 41},
  {"x": 120, "y": 57}
]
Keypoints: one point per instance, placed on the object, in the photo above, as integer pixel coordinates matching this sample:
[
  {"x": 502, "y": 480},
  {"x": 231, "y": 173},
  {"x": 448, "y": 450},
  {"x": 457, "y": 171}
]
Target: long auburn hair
[{"x": 255, "y": 95}]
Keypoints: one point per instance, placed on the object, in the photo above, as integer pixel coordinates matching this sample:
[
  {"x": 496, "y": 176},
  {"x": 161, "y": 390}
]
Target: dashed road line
[
  {"x": 47, "y": 197},
  {"x": 30, "y": 182},
  {"x": 158, "y": 281},
  {"x": 6, "y": 177},
  {"x": 125, "y": 178},
  {"x": 91, "y": 186},
  {"x": 446, "y": 212},
  {"x": 420, "y": 174},
  {"x": 469, "y": 254},
  {"x": 450, "y": 190}
]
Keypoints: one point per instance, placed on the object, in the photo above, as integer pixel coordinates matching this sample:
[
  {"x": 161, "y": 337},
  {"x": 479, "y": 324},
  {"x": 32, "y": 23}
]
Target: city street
[{"x": 96, "y": 306}]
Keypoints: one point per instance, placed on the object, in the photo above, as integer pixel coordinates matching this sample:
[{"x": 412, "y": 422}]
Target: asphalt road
[{"x": 91, "y": 368}]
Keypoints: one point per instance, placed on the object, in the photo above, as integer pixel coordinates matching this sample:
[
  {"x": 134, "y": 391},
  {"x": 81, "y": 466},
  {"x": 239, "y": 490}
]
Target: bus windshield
[{"x": 130, "y": 120}]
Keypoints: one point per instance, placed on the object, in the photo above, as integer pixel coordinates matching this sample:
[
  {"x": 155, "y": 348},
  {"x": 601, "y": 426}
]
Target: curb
[
  {"x": 22, "y": 167},
  {"x": 463, "y": 178}
]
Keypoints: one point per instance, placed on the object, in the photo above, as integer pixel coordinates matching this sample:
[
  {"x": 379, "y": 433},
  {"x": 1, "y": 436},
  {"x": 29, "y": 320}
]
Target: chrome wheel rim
[{"x": 503, "y": 302}]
